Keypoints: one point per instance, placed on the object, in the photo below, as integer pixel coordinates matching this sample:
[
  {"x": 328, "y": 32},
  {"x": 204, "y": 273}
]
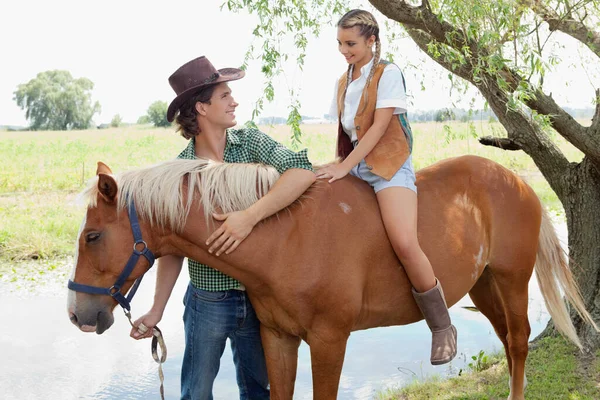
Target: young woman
[{"x": 375, "y": 141}]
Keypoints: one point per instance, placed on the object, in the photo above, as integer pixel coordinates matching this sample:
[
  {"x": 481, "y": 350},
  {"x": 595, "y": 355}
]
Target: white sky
[{"x": 129, "y": 49}]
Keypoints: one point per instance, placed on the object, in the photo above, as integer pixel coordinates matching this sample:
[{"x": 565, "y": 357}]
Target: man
[{"x": 206, "y": 114}]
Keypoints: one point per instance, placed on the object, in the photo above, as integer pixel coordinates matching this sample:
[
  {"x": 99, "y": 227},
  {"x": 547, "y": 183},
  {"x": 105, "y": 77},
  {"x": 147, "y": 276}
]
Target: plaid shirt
[{"x": 247, "y": 145}]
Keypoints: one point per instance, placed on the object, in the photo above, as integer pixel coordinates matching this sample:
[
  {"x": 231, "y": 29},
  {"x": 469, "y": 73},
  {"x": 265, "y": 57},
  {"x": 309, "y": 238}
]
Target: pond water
[{"x": 46, "y": 357}]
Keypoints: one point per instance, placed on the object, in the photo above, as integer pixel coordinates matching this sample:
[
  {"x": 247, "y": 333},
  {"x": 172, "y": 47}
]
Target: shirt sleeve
[
  {"x": 333, "y": 109},
  {"x": 266, "y": 150},
  {"x": 391, "y": 92}
]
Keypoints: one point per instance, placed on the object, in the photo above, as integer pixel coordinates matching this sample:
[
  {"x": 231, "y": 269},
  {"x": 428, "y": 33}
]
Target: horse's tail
[{"x": 552, "y": 269}]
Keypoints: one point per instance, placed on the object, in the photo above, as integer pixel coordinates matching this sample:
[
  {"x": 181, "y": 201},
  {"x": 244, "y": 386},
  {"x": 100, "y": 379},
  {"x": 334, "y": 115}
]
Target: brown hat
[{"x": 193, "y": 76}]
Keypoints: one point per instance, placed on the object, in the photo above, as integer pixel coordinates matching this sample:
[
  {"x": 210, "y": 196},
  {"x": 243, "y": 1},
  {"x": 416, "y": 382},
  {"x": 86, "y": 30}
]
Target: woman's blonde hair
[{"x": 368, "y": 27}]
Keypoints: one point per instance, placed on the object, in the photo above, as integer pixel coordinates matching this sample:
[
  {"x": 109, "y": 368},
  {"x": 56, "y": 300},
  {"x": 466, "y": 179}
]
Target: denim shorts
[{"x": 405, "y": 177}]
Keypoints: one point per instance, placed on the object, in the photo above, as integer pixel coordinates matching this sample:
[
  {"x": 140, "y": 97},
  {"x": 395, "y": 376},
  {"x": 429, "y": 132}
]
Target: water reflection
[{"x": 45, "y": 357}]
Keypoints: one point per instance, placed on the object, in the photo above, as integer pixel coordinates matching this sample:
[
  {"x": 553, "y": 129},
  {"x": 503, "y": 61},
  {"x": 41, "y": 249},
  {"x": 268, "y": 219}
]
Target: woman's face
[{"x": 354, "y": 47}]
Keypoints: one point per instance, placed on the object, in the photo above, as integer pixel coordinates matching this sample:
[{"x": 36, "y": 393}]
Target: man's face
[{"x": 221, "y": 110}]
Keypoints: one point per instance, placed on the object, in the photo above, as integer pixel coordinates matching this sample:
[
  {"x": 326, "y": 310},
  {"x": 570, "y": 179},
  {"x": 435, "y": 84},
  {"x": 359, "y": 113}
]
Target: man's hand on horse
[{"x": 236, "y": 227}]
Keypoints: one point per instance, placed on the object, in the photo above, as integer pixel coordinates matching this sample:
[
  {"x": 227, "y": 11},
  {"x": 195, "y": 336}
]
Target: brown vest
[{"x": 392, "y": 150}]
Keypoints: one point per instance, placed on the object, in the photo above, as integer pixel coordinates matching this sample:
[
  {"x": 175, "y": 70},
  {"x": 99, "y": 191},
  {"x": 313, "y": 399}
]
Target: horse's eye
[{"x": 91, "y": 237}]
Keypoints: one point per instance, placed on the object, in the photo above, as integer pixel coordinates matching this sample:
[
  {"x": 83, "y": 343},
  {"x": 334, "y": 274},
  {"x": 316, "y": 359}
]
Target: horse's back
[
  {"x": 471, "y": 211},
  {"x": 481, "y": 209},
  {"x": 340, "y": 266}
]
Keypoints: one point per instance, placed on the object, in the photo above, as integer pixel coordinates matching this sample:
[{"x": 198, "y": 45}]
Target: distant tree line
[{"x": 54, "y": 100}]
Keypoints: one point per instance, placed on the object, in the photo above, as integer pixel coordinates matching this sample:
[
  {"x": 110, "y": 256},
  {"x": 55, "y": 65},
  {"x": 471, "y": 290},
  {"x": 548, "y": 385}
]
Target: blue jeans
[{"x": 209, "y": 319}]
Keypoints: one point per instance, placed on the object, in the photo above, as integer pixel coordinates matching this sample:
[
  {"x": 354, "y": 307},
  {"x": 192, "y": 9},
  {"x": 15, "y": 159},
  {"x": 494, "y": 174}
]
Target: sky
[{"x": 128, "y": 49}]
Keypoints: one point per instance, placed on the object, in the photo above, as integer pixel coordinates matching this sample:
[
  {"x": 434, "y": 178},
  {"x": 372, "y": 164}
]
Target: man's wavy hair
[{"x": 187, "y": 123}]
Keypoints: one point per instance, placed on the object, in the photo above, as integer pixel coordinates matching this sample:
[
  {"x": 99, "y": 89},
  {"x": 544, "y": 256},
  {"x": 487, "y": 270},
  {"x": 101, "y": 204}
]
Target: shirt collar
[
  {"x": 367, "y": 67},
  {"x": 232, "y": 138},
  {"x": 190, "y": 151}
]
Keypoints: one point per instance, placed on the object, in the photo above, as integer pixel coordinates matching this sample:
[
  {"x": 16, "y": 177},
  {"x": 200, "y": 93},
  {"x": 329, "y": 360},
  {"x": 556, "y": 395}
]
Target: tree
[
  {"x": 56, "y": 101},
  {"x": 116, "y": 121},
  {"x": 501, "y": 48},
  {"x": 157, "y": 114},
  {"x": 444, "y": 115},
  {"x": 144, "y": 119}
]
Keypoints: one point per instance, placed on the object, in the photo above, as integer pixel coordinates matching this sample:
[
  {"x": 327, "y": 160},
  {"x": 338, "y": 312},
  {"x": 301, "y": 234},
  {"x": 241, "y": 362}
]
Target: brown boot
[{"x": 433, "y": 306}]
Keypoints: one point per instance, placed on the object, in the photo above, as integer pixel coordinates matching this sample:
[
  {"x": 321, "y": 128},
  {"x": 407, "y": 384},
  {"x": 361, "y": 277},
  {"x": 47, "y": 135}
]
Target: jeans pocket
[{"x": 207, "y": 295}]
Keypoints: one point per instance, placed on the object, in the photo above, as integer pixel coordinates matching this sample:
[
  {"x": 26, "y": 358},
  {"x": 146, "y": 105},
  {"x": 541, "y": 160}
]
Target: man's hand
[
  {"x": 144, "y": 326},
  {"x": 235, "y": 229}
]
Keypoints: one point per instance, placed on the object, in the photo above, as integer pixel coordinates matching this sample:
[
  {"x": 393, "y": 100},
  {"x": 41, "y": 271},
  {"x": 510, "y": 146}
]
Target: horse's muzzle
[{"x": 92, "y": 321}]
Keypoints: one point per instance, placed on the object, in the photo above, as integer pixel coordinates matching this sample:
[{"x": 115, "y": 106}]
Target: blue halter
[{"x": 115, "y": 290}]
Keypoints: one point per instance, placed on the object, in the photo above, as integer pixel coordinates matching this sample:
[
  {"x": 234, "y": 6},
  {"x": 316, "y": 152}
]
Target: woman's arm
[
  {"x": 370, "y": 139},
  {"x": 365, "y": 145}
]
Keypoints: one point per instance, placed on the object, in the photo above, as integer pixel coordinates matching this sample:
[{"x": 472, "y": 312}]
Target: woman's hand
[{"x": 333, "y": 172}]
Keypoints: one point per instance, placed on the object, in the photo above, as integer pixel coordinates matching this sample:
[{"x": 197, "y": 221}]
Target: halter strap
[{"x": 115, "y": 290}]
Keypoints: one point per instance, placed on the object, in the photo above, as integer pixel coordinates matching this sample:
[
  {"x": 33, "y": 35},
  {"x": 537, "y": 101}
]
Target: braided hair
[{"x": 368, "y": 27}]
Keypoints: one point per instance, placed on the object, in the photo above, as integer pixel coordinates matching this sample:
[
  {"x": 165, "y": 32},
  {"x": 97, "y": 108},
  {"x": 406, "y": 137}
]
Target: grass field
[
  {"x": 553, "y": 371},
  {"x": 42, "y": 172}
]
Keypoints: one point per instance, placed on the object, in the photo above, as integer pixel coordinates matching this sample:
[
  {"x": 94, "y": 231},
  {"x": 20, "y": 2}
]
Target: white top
[{"x": 390, "y": 93}]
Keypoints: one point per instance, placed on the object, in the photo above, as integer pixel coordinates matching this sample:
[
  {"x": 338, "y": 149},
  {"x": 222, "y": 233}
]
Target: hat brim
[{"x": 225, "y": 75}]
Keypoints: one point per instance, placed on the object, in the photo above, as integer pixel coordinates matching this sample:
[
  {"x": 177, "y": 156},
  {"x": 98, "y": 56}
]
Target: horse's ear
[
  {"x": 103, "y": 169},
  {"x": 107, "y": 186}
]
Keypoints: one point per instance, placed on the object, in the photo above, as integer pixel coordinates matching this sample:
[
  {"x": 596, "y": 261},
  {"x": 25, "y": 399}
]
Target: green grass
[
  {"x": 43, "y": 171},
  {"x": 552, "y": 368}
]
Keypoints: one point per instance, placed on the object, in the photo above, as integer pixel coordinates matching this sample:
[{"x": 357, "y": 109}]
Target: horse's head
[{"x": 104, "y": 245}]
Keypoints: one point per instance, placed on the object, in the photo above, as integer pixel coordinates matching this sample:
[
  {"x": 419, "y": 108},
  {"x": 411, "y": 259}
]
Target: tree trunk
[{"x": 582, "y": 208}]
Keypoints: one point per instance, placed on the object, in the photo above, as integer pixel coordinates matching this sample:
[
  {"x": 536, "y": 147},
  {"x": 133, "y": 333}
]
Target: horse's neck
[
  {"x": 249, "y": 262},
  {"x": 298, "y": 237}
]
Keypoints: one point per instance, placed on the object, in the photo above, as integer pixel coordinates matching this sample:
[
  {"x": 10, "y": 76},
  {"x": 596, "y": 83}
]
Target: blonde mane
[{"x": 164, "y": 193}]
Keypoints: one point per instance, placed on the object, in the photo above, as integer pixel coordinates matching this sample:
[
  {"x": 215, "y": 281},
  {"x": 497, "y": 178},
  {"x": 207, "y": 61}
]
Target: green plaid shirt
[{"x": 243, "y": 146}]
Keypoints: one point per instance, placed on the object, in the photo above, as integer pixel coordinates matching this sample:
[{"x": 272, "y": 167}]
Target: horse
[{"x": 323, "y": 267}]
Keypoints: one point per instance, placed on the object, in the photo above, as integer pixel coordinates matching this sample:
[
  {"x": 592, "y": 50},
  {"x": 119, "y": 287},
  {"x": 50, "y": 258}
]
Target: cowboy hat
[{"x": 195, "y": 75}]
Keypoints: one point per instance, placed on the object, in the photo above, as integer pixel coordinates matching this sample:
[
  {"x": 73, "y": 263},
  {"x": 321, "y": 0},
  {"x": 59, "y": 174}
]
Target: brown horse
[{"x": 323, "y": 267}]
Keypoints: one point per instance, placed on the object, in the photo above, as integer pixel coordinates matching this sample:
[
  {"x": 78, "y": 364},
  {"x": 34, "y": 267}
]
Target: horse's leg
[
  {"x": 504, "y": 303},
  {"x": 281, "y": 354},
  {"x": 327, "y": 359},
  {"x": 513, "y": 288},
  {"x": 486, "y": 298}
]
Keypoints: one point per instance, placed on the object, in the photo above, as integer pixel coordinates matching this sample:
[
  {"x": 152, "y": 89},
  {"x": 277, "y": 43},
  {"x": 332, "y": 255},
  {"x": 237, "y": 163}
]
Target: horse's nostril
[{"x": 73, "y": 318}]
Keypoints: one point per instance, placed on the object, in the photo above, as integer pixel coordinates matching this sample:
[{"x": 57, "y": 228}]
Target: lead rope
[{"x": 157, "y": 338}]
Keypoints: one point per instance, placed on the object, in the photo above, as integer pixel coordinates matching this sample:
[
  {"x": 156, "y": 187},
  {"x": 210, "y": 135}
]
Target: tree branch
[
  {"x": 501, "y": 143},
  {"x": 595, "y": 127},
  {"x": 585, "y": 139},
  {"x": 565, "y": 24},
  {"x": 527, "y": 134},
  {"x": 422, "y": 18},
  {"x": 423, "y": 26},
  {"x": 422, "y": 39}
]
